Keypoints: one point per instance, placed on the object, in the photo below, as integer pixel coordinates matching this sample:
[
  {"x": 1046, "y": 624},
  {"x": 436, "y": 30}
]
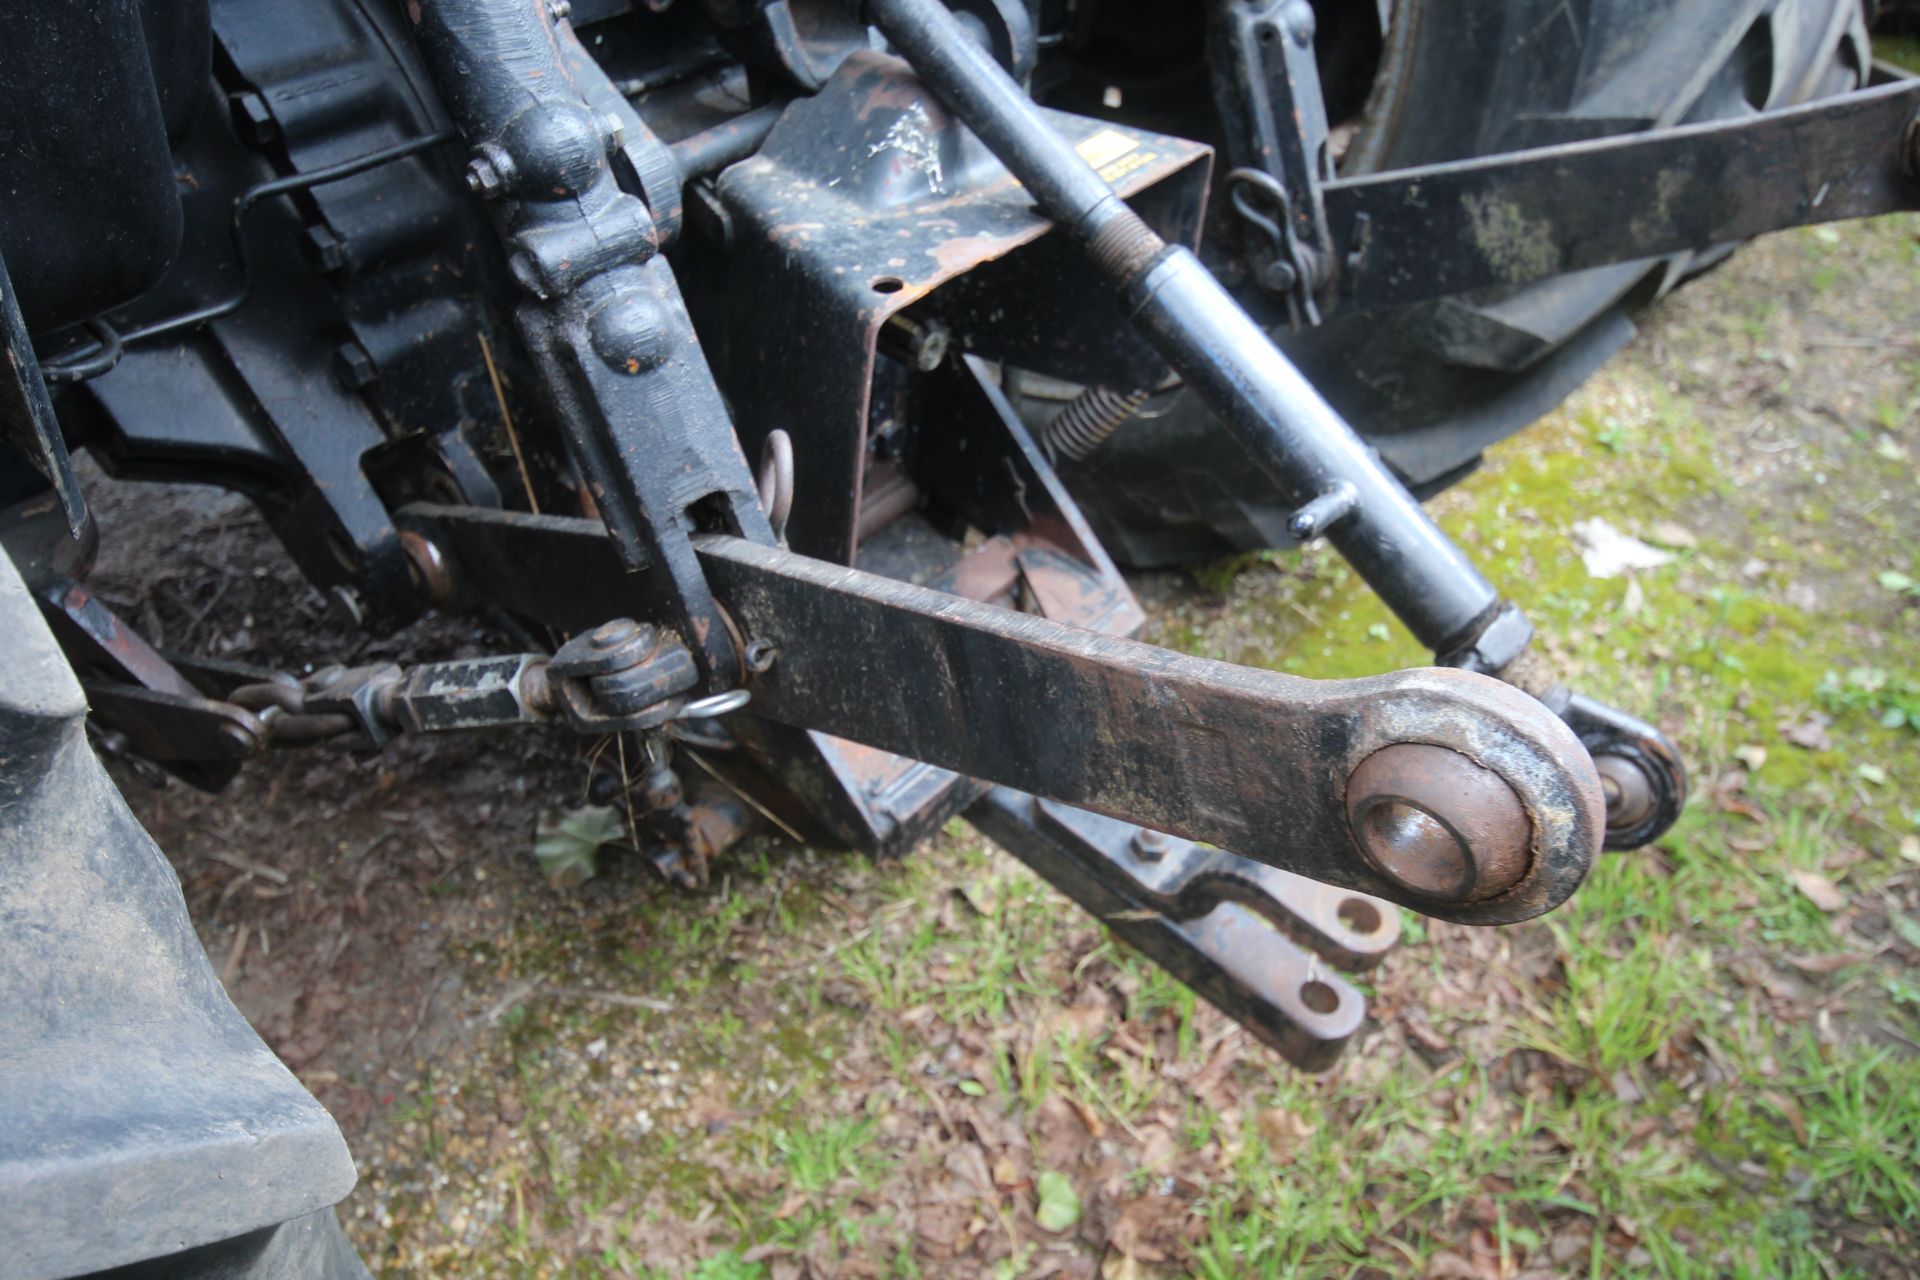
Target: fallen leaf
[
  {"x": 982, "y": 895},
  {"x": 1157, "y": 1152},
  {"x": 1210, "y": 1077},
  {"x": 1060, "y": 1133},
  {"x": 1635, "y": 599},
  {"x": 1677, "y": 536},
  {"x": 761, "y": 1252},
  {"x": 1810, "y": 732},
  {"x": 1819, "y": 890},
  {"x": 565, "y": 844},
  {"x": 1282, "y": 1131},
  {"x": 1751, "y": 756},
  {"x": 1826, "y": 964},
  {"x": 1446, "y": 1265},
  {"x": 1608, "y": 553},
  {"x": 1058, "y": 1203},
  {"x": 1431, "y": 1043},
  {"x": 968, "y": 1163},
  {"x": 1910, "y": 848},
  {"x": 1082, "y": 1020},
  {"x": 1871, "y": 773},
  {"x": 1575, "y": 1242},
  {"x": 1145, "y": 1222},
  {"x": 1790, "y": 1111}
]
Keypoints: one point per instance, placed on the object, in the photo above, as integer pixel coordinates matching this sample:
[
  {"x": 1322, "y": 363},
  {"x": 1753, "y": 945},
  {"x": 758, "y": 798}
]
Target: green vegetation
[{"x": 1706, "y": 1064}]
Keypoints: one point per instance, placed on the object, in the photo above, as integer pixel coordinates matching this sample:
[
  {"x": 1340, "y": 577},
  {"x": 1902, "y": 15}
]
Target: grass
[{"x": 1694, "y": 1068}]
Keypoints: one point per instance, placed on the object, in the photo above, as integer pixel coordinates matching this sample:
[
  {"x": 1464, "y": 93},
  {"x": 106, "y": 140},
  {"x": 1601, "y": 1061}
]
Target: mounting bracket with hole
[{"x": 1260, "y": 943}]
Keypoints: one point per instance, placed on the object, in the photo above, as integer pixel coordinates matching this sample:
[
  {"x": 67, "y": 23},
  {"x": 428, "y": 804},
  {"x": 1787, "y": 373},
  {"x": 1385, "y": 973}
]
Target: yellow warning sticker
[
  {"x": 1103, "y": 148},
  {"x": 1132, "y": 161}
]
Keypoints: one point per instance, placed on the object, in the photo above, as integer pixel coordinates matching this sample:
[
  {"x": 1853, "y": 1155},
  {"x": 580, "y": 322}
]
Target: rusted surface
[
  {"x": 1629, "y": 795},
  {"x": 429, "y": 569},
  {"x": 1182, "y": 879},
  {"x": 1256, "y": 941},
  {"x": 136, "y": 692},
  {"x": 1437, "y": 823},
  {"x": 886, "y": 494},
  {"x": 98, "y": 643},
  {"x": 989, "y": 573},
  {"x": 868, "y": 201},
  {"x": 1063, "y": 589},
  {"x": 1245, "y": 759},
  {"x": 1642, "y": 775}
]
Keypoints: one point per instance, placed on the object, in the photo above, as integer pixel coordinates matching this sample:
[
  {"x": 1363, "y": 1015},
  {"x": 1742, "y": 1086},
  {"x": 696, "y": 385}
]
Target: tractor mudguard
[{"x": 140, "y": 1116}]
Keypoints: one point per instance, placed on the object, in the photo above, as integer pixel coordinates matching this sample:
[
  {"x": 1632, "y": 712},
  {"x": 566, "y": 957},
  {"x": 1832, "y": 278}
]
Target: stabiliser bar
[
  {"x": 1444, "y": 229},
  {"x": 1312, "y": 456}
]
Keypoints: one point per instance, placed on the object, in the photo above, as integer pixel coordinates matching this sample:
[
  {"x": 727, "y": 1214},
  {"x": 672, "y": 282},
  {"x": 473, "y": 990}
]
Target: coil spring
[{"x": 1089, "y": 418}]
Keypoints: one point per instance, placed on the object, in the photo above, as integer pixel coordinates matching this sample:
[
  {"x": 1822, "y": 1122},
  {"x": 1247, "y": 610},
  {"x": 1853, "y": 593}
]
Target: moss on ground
[{"x": 1705, "y": 1064}]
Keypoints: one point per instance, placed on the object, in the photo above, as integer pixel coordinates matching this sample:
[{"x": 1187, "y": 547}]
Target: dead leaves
[
  {"x": 1809, "y": 732},
  {"x": 1061, "y": 1133},
  {"x": 1435, "y": 1048},
  {"x": 1832, "y": 963},
  {"x": 1283, "y": 1131},
  {"x": 1818, "y": 890}
]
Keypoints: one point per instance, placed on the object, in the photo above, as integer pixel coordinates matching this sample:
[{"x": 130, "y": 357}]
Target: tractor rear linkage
[{"x": 1477, "y": 791}]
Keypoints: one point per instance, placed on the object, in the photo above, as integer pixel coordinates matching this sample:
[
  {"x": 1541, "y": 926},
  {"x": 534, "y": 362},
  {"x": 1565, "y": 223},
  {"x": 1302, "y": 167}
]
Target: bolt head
[
  {"x": 1151, "y": 846},
  {"x": 483, "y": 178},
  {"x": 1277, "y": 276},
  {"x": 930, "y": 347},
  {"x": 613, "y": 634},
  {"x": 354, "y": 367}
]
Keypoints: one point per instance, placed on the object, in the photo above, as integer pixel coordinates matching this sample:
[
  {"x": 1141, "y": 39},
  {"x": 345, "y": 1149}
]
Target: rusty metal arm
[
  {"x": 1259, "y": 943},
  {"x": 1444, "y": 790}
]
